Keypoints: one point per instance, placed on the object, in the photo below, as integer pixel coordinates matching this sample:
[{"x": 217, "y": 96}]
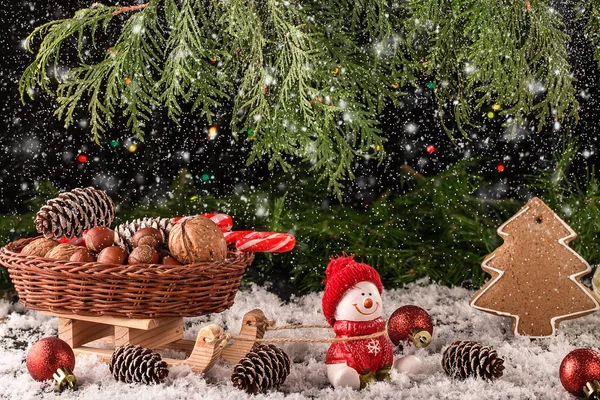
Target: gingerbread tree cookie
[{"x": 535, "y": 274}]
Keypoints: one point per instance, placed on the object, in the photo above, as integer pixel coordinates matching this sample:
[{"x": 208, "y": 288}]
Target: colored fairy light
[
  {"x": 500, "y": 167},
  {"x": 82, "y": 158},
  {"x": 114, "y": 143},
  {"x": 132, "y": 148},
  {"x": 430, "y": 149}
]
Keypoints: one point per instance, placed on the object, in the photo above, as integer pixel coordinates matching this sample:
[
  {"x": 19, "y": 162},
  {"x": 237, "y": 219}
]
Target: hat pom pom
[{"x": 338, "y": 264}]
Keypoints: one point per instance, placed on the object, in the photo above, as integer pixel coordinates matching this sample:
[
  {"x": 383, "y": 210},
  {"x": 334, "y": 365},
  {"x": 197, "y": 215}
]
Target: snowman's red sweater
[{"x": 364, "y": 355}]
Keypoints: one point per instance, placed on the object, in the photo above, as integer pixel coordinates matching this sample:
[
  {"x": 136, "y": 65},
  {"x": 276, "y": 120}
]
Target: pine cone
[
  {"x": 124, "y": 232},
  {"x": 133, "y": 363},
  {"x": 464, "y": 359},
  {"x": 72, "y": 212},
  {"x": 264, "y": 368}
]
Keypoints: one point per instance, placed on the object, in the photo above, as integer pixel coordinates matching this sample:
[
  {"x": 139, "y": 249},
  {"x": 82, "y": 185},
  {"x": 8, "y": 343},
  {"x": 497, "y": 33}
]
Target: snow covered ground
[{"x": 531, "y": 365}]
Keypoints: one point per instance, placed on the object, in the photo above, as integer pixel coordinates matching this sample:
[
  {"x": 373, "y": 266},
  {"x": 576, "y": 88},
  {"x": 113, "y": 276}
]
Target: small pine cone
[
  {"x": 72, "y": 212},
  {"x": 263, "y": 368},
  {"x": 124, "y": 232},
  {"x": 133, "y": 363},
  {"x": 464, "y": 359}
]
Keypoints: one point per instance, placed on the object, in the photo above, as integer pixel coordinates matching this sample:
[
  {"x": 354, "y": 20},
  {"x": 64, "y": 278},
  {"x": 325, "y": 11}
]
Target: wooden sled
[{"x": 167, "y": 333}]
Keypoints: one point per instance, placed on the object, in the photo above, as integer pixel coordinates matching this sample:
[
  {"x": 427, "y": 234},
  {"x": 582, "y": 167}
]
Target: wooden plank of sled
[{"x": 144, "y": 324}]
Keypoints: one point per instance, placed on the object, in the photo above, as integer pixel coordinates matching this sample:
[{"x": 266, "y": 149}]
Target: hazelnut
[
  {"x": 113, "y": 255},
  {"x": 149, "y": 237},
  {"x": 99, "y": 238},
  {"x": 168, "y": 260},
  {"x": 83, "y": 255},
  {"x": 143, "y": 255}
]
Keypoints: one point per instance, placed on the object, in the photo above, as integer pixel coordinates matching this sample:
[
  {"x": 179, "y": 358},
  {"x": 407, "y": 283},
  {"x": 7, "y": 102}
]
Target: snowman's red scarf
[
  {"x": 371, "y": 357},
  {"x": 345, "y": 329}
]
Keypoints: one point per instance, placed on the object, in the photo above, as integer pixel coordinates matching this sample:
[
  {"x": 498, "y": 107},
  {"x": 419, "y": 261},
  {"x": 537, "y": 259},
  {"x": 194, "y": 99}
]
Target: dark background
[{"x": 35, "y": 145}]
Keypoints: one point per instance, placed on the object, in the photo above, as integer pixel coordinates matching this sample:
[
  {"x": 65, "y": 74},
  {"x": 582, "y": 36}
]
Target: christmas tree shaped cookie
[{"x": 535, "y": 274}]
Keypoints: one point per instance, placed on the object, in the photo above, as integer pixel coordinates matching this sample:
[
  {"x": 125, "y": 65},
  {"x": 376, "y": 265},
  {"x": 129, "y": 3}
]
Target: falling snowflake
[{"x": 373, "y": 347}]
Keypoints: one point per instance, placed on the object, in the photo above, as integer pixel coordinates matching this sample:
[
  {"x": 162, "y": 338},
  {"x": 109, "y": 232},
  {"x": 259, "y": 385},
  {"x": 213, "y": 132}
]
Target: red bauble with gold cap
[
  {"x": 47, "y": 355},
  {"x": 410, "y": 324},
  {"x": 580, "y": 372}
]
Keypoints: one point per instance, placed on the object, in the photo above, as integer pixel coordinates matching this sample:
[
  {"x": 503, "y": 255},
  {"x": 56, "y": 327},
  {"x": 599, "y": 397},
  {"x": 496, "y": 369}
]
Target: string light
[
  {"x": 500, "y": 167},
  {"x": 212, "y": 132},
  {"x": 82, "y": 158},
  {"x": 132, "y": 148},
  {"x": 205, "y": 177},
  {"x": 430, "y": 149},
  {"x": 114, "y": 143}
]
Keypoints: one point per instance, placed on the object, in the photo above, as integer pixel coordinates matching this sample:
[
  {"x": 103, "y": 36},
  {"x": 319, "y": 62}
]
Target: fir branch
[
  {"x": 124, "y": 9},
  {"x": 126, "y": 74},
  {"x": 54, "y": 33},
  {"x": 310, "y": 79},
  {"x": 518, "y": 61},
  {"x": 591, "y": 10},
  {"x": 188, "y": 74}
]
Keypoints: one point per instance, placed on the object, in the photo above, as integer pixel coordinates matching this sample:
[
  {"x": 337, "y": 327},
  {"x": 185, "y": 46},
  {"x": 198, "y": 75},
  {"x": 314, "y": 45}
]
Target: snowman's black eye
[
  {"x": 370, "y": 294},
  {"x": 362, "y": 294}
]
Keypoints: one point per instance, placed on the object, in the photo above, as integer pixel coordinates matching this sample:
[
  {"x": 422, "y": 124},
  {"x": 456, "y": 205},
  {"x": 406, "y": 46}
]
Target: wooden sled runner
[{"x": 211, "y": 344}]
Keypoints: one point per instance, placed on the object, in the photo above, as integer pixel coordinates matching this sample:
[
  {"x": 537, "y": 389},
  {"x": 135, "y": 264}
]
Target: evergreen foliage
[
  {"x": 440, "y": 228},
  {"x": 307, "y": 80}
]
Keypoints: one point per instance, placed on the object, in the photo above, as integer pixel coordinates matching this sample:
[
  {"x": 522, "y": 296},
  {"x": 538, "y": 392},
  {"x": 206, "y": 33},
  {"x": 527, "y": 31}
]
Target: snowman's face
[{"x": 360, "y": 303}]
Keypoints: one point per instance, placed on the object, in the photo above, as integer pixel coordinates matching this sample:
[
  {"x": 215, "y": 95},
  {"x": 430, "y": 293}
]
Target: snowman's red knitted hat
[{"x": 342, "y": 274}]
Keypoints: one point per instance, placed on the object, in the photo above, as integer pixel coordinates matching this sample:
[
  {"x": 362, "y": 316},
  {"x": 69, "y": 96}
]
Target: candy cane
[
  {"x": 223, "y": 221},
  {"x": 234, "y": 236},
  {"x": 271, "y": 242},
  {"x": 77, "y": 241}
]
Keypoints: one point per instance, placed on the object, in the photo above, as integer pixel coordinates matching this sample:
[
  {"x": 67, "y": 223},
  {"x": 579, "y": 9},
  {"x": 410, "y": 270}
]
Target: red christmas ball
[
  {"x": 48, "y": 355},
  {"x": 408, "y": 323},
  {"x": 578, "y": 368}
]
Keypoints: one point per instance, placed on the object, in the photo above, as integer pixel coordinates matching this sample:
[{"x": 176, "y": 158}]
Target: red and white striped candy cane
[
  {"x": 234, "y": 236},
  {"x": 267, "y": 242},
  {"x": 223, "y": 221}
]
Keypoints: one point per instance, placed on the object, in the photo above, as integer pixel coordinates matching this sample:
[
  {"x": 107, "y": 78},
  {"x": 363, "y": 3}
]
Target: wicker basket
[{"x": 132, "y": 291}]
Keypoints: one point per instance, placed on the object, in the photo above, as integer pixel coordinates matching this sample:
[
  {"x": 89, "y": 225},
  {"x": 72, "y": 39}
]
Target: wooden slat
[
  {"x": 168, "y": 331},
  {"x": 145, "y": 324},
  {"x": 77, "y": 333}
]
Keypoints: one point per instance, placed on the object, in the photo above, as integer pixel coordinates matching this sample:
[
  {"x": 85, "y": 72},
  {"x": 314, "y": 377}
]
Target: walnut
[
  {"x": 197, "y": 239},
  {"x": 39, "y": 247},
  {"x": 63, "y": 251}
]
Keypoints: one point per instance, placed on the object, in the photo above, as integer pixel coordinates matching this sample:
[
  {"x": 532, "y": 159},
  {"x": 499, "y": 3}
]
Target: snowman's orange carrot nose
[{"x": 368, "y": 303}]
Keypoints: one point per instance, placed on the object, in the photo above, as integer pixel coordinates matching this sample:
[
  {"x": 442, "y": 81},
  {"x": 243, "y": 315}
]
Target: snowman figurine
[{"x": 352, "y": 306}]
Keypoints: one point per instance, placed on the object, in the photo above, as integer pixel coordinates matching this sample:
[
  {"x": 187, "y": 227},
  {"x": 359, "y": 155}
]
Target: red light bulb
[
  {"x": 82, "y": 158},
  {"x": 500, "y": 167},
  {"x": 430, "y": 149}
]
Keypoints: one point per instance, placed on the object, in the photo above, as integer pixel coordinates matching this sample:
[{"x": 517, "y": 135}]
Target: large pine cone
[
  {"x": 124, "y": 232},
  {"x": 133, "y": 363},
  {"x": 72, "y": 212},
  {"x": 266, "y": 367},
  {"x": 464, "y": 359}
]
